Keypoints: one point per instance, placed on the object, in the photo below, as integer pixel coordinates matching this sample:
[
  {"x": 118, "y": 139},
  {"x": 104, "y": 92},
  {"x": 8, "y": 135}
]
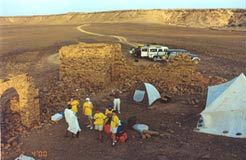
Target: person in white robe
[{"x": 72, "y": 121}]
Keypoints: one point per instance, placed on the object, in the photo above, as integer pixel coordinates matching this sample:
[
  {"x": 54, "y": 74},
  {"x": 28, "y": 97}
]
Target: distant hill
[{"x": 188, "y": 17}]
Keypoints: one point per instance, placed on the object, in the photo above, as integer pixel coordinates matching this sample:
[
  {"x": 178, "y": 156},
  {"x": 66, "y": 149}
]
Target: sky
[{"x": 45, "y": 7}]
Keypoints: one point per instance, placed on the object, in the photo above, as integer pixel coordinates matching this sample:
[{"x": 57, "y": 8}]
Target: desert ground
[{"x": 33, "y": 48}]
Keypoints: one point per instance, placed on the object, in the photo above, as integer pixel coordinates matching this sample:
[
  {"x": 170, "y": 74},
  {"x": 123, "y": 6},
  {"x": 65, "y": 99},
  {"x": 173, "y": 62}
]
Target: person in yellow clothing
[
  {"x": 74, "y": 103},
  {"x": 108, "y": 113},
  {"x": 99, "y": 119},
  {"x": 87, "y": 110},
  {"x": 113, "y": 127}
]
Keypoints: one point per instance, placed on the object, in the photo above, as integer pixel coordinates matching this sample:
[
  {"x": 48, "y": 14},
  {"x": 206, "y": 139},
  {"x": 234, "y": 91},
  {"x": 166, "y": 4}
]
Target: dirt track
[
  {"x": 121, "y": 39},
  {"x": 222, "y": 53},
  {"x": 54, "y": 58}
]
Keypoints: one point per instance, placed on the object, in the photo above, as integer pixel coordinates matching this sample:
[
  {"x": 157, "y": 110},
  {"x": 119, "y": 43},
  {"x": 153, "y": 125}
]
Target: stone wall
[
  {"x": 95, "y": 67},
  {"x": 90, "y": 66},
  {"x": 28, "y": 105}
]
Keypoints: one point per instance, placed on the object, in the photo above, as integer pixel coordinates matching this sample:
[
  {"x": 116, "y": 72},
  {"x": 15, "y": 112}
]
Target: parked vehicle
[
  {"x": 149, "y": 51},
  {"x": 172, "y": 53},
  {"x": 135, "y": 51}
]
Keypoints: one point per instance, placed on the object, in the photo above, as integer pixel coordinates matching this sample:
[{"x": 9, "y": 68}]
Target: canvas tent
[
  {"x": 146, "y": 93},
  {"x": 225, "y": 111}
]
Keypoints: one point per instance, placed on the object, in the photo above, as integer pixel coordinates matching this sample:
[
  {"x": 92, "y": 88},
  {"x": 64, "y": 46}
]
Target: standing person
[
  {"x": 109, "y": 113},
  {"x": 87, "y": 110},
  {"x": 99, "y": 118},
  {"x": 72, "y": 121},
  {"x": 116, "y": 93},
  {"x": 113, "y": 127},
  {"x": 74, "y": 103},
  {"x": 109, "y": 110}
]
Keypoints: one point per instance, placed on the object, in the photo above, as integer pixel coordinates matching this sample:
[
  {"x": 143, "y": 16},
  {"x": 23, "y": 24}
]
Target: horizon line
[{"x": 124, "y": 10}]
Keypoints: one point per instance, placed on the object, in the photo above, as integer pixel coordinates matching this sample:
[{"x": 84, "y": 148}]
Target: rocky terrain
[
  {"x": 49, "y": 49},
  {"x": 190, "y": 18}
]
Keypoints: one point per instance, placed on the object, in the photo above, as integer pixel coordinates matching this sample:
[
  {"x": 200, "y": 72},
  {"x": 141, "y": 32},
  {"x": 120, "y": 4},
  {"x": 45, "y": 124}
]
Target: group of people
[{"x": 96, "y": 121}]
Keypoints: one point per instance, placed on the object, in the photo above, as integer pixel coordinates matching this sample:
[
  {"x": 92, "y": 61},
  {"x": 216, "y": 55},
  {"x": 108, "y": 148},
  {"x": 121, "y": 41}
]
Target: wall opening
[
  {"x": 11, "y": 125},
  {"x": 20, "y": 93}
]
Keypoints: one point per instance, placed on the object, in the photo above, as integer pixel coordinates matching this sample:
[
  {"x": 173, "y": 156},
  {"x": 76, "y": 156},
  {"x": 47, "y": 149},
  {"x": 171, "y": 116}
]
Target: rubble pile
[
  {"x": 54, "y": 97},
  {"x": 93, "y": 67},
  {"x": 11, "y": 127},
  {"x": 88, "y": 69},
  {"x": 178, "y": 77}
]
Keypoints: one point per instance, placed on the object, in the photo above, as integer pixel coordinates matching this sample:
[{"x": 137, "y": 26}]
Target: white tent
[
  {"x": 225, "y": 112},
  {"x": 148, "y": 91}
]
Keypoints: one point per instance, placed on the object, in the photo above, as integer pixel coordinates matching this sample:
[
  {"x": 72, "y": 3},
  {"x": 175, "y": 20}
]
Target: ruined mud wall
[
  {"x": 28, "y": 105},
  {"x": 94, "y": 67},
  {"x": 178, "y": 77},
  {"x": 90, "y": 66}
]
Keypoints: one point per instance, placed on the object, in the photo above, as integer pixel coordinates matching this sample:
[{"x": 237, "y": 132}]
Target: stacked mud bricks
[
  {"x": 95, "y": 66},
  {"x": 91, "y": 66},
  {"x": 28, "y": 104}
]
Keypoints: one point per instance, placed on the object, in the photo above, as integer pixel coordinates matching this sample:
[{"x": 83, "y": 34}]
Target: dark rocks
[{"x": 162, "y": 157}]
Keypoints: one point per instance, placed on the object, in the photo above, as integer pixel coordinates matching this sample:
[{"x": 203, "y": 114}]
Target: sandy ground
[
  {"x": 222, "y": 53},
  {"x": 178, "y": 142}
]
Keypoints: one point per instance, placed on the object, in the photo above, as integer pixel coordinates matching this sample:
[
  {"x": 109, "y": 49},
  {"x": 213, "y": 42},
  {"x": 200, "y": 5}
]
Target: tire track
[
  {"x": 54, "y": 58},
  {"x": 121, "y": 39}
]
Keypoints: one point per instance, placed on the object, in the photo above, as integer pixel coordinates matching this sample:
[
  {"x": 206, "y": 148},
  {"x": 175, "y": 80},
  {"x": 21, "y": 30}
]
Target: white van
[{"x": 151, "y": 51}]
